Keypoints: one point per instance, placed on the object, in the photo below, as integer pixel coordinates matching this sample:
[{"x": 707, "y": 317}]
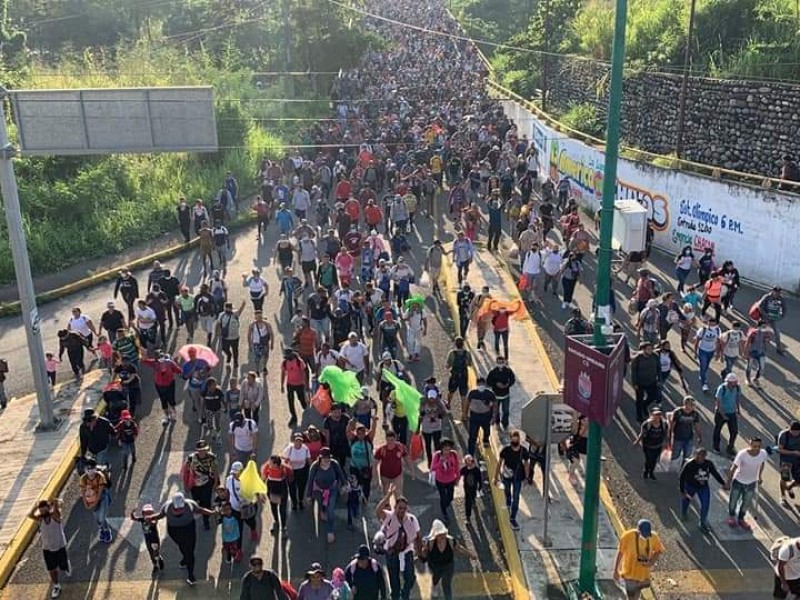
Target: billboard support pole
[{"x": 22, "y": 271}]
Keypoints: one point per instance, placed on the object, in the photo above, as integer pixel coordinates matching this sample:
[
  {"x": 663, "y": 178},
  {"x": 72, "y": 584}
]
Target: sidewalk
[
  {"x": 540, "y": 571},
  {"x": 36, "y": 465}
]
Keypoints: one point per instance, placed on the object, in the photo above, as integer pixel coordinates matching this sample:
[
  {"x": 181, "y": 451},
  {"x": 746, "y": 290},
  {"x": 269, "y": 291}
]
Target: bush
[{"x": 584, "y": 118}]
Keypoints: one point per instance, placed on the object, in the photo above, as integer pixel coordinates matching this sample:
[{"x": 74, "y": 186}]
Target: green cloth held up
[
  {"x": 344, "y": 385},
  {"x": 407, "y": 395}
]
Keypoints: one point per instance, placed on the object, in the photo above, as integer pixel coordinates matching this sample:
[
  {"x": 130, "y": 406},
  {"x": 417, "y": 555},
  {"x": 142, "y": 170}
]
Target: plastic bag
[
  {"x": 524, "y": 282},
  {"x": 251, "y": 483},
  {"x": 321, "y": 401},
  {"x": 415, "y": 448},
  {"x": 666, "y": 464},
  {"x": 424, "y": 280},
  {"x": 755, "y": 311}
]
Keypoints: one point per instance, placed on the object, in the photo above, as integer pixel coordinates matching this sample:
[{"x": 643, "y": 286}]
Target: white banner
[{"x": 758, "y": 229}]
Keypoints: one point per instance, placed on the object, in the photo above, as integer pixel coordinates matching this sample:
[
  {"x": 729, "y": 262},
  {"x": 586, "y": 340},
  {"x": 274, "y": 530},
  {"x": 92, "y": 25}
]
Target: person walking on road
[
  {"x": 325, "y": 482},
  {"x": 755, "y": 351},
  {"x": 432, "y": 413},
  {"x": 694, "y": 479},
  {"x": 74, "y": 343},
  {"x": 439, "y": 550},
  {"x": 743, "y": 479},
  {"x": 727, "y": 409},
  {"x": 180, "y": 515},
  {"x": 459, "y": 360},
  {"x": 501, "y": 379},
  {"x": 243, "y": 510},
  {"x": 294, "y": 382},
  {"x": 772, "y": 307},
  {"x": 389, "y": 461},
  {"x": 446, "y": 469},
  {"x": 787, "y": 568},
  {"x": 637, "y": 553},
  {"x": 54, "y": 542},
  {"x": 365, "y": 576},
  {"x": 96, "y": 497},
  {"x": 789, "y": 459},
  {"x": 400, "y": 537},
  {"x": 260, "y": 583},
  {"x": 196, "y": 371},
  {"x": 227, "y": 329},
  {"x": 94, "y": 434},
  {"x": 646, "y": 379},
  {"x": 732, "y": 343},
  {"x": 127, "y": 287},
  {"x": 297, "y": 456},
  {"x": 464, "y": 299},
  {"x": 684, "y": 430},
  {"x": 652, "y": 436},
  {"x": 112, "y": 320},
  {"x": 514, "y": 467},
  {"x": 165, "y": 369},
  {"x": 463, "y": 252},
  {"x": 200, "y": 476}
]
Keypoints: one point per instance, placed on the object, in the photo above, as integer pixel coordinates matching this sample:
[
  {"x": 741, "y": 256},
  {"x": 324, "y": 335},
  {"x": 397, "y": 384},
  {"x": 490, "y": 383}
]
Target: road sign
[
  {"x": 535, "y": 416},
  {"x": 593, "y": 376},
  {"x": 113, "y": 121}
]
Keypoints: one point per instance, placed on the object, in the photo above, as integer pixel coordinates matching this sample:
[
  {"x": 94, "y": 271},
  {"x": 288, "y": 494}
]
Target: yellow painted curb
[
  {"x": 27, "y": 529},
  {"x": 516, "y": 575},
  {"x": 13, "y": 308}
]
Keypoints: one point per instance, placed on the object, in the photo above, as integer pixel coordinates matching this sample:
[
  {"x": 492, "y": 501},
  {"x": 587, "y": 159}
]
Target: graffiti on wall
[{"x": 696, "y": 225}]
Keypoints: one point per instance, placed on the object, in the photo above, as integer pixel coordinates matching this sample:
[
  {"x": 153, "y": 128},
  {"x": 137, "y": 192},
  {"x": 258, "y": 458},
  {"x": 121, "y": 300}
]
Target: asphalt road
[
  {"x": 729, "y": 564},
  {"x": 101, "y": 570}
]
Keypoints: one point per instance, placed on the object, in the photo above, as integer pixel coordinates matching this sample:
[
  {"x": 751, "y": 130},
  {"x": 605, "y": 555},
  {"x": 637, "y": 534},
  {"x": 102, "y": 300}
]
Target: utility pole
[
  {"x": 288, "y": 86},
  {"x": 588, "y": 565},
  {"x": 546, "y": 53},
  {"x": 22, "y": 270},
  {"x": 687, "y": 61}
]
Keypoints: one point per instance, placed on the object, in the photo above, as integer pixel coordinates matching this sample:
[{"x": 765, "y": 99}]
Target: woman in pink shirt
[
  {"x": 344, "y": 266},
  {"x": 446, "y": 469}
]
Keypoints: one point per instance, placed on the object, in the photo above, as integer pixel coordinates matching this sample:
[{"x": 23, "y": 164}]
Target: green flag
[
  {"x": 344, "y": 384},
  {"x": 407, "y": 396}
]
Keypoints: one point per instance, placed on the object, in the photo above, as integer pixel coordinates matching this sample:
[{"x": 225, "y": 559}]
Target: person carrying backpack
[
  {"x": 365, "y": 576},
  {"x": 785, "y": 554}
]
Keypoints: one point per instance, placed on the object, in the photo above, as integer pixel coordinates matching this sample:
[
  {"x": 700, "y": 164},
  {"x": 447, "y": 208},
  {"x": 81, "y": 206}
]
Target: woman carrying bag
[{"x": 325, "y": 481}]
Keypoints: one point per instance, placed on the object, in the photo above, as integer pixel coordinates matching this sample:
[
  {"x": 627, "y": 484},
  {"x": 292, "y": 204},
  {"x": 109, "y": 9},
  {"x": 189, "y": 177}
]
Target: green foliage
[
  {"x": 77, "y": 208},
  {"x": 585, "y": 118}
]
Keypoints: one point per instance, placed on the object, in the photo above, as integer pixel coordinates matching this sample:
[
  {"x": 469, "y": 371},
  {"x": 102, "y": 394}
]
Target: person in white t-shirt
[
  {"x": 551, "y": 267},
  {"x": 787, "y": 570},
  {"x": 356, "y": 356},
  {"x": 82, "y": 324},
  {"x": 732, "y": 342},
  {"x": 297, "y": 456},
  {"x": 744, "y": 476},
  {"x": 243, "y": 437}
]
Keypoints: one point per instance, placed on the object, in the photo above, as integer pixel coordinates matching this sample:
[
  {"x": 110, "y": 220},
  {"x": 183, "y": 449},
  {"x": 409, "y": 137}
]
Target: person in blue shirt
[
  {"x": 284, "y": 219},
  {"x": 726, "y": 412},
  {"x": 196, "y": 371}
]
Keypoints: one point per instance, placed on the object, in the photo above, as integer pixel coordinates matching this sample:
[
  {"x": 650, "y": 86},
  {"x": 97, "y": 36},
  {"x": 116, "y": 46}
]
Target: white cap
[
  {"x": 237, "y": 467},
  {"x": 432, "y": 394},
  {"x": 731, "y": 378},
  {"x": 386, "y": 355}
]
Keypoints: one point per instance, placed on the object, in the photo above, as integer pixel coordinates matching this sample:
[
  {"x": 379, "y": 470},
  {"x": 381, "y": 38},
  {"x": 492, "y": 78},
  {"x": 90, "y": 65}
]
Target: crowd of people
[{"x": 412, "y": 124}]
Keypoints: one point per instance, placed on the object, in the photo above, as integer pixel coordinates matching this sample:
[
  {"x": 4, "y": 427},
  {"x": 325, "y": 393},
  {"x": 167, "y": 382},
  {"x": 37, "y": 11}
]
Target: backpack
[
  {"x": 218, "y": 290},
  {"x": 127, "y": 432},
  {"x": 205, "y": 307},
  {"x": 656, "y": 285},
  {"x": 778, "y": 544},
  {"x": 351, "y": 568}
]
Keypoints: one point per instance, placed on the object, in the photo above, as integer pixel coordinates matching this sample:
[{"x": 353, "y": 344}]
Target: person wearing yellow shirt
[
  {"x": 411, "y": 203},
  {"x": 437, "y": 168},
  {"x": 637, "y": 553},
  {"x": 397, "y": 418}
]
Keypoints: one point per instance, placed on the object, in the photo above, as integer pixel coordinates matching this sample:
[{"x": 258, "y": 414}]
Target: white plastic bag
[
  {"x": 666, "y": 464},
  {"x": 424, "y": 280}
]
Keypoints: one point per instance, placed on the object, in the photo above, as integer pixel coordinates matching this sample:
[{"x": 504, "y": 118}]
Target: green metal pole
[{"x": 588, "y": 568}]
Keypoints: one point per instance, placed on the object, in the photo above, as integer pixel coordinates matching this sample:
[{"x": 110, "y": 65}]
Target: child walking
[
  {"x": 106, "y": 353},
  {"x": 51, "y": 366},
  {"x": 230, "y": 535},
  {"x": 472, "y": 479},
  {"x": 355, "y": 496},
  {"x": 151, "y": 537}
]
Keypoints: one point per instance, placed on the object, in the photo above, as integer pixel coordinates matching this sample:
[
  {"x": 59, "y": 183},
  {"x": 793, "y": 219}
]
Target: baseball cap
[
  {"x": 432, "y": 394},
  {"x": 237, "y": 467}
]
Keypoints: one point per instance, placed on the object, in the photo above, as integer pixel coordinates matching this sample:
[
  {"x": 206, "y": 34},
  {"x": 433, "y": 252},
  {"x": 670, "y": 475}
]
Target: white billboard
[{"x": 115, "y": 121}]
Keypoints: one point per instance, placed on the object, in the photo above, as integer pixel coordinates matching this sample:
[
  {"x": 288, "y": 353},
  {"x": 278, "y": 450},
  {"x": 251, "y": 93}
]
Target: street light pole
[
  {"x": 588, "y": 566},
  {"x": 22, "y": 270},
  {"x": 687, "y": 61}
]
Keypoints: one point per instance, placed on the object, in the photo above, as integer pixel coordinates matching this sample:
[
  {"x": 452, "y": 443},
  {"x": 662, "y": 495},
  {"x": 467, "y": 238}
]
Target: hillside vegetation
[
  {"x": 77, "y": 208},
  {"x": 732, "y": 39}
]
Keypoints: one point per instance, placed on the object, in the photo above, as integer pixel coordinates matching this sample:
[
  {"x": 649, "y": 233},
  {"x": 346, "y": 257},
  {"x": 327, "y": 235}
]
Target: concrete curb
[
  {"x": 555, "y": 382},
  {"x": 14, "y": 308},
  {"x": 27, "y": 529},
  {"x": 518, "y": 583}
]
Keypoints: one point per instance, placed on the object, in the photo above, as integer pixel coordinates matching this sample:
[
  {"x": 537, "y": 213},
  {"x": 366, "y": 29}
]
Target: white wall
[{"x": 757, "y": 229}]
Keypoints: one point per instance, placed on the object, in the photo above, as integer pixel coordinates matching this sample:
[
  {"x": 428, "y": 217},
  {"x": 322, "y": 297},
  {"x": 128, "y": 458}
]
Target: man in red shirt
[
  {"x": 294, "y": 381},
  {"x": 343, "y": 190},
  {"x": 500, "y": 328},
  {"x": 389, "y": 459},
  {"x": 353, "y": 208}
]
